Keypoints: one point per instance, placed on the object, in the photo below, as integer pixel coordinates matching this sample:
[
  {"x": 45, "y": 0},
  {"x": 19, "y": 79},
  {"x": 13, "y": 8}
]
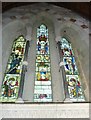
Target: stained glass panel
[
  {"x": 12, "y": 77},
  {"x": 66, "y": 48},
  {"x": 72, "y": 80},
  {"x": 42, "y": 58},
  {"x": 74, "y": 87},
  {"x": 42, "y": 91},
  {"x": 10, "y": 88},
  {"x": 70, "y": 65}
]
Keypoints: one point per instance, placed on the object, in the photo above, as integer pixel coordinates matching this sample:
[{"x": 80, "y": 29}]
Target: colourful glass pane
[
  {"x": 43, "y": 76},
  {"x": 66, "y": 48},
  {"x": 21, "y": 39},
  {"x": 18, "y": 47},
  {"x": 10, "y": 88},
  {"x": 42, "y": 58},
  {"x": 41, "y": 66},
  {"x": 42, "y": 45},
  {"x": 43, "y": 97},
  {"x": 11, "y": 82},
  {"x": 70, "y": 65},
  {"x": 43, "y": 71},
  {"x": 74, "y": 88}
]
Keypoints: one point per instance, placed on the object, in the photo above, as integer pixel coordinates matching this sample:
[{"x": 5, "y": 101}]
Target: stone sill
[{"x": 68, "y": 110}]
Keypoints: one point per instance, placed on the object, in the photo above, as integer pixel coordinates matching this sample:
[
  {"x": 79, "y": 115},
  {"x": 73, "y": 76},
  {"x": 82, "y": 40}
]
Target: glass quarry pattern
[
  {"x": 12, "y": 77},
  {"x": 42, "y": 90},
  {"x": 72, "y": 81}
]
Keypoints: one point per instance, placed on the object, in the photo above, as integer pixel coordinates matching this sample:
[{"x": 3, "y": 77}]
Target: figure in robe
[
  {"x": 14, "y": 64},
  {"x": 9, "y": 87}
]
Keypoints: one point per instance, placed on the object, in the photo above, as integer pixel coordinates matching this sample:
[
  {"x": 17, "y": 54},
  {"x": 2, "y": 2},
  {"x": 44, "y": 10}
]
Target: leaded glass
[
  {"x": 72, "y": 80},
  {"x": 12, "y": 77},
  {"x": 46, "y": 83},
  {"x": 10, "y": 88},
  {"x": 42, "y": 91},
  {"x": 42, "y": 58},
  {"x": 70, "y": 65},
  {"x": 74, "y": 87},
  {"x": 66, "y": 48}
]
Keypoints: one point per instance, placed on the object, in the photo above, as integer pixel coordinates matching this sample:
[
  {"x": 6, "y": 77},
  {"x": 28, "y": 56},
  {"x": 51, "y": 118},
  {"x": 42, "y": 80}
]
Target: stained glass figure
[
  {"x": 70, "y": 65},
  {"x": 10, "y": 88},
  {"x": 11, "y": 82},
  {"x": 72, "y": 81},
  {"x": 42, "y": 45},
  {"x": 74, "y": 87},
  {"x": 42, "y": 91},
  {"x": 16, "y": 57},
  {"x": 66, "y": 48}
]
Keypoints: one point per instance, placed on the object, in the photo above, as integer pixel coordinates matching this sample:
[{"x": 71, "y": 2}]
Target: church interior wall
[
  {"x": 25, "y": 20},
  {"x": 75, "y": 33}
]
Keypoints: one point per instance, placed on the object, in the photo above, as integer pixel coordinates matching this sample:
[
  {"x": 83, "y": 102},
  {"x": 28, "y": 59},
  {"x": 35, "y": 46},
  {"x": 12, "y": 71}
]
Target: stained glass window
[
  {"x": 42, "y": 90},
  {"x": 72, "y": 80},
  {"x": 12, "y": 77}
]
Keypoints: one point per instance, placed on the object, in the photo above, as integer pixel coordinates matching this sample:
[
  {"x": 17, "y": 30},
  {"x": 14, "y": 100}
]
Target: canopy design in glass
[
  {"x": 42, "y": 90},
  {"x": 72, "y": 80},
  {"x": 12, "y": 76}
]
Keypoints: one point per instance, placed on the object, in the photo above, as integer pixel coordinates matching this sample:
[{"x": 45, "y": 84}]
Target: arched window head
[{"x": 42, "y": 31}]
